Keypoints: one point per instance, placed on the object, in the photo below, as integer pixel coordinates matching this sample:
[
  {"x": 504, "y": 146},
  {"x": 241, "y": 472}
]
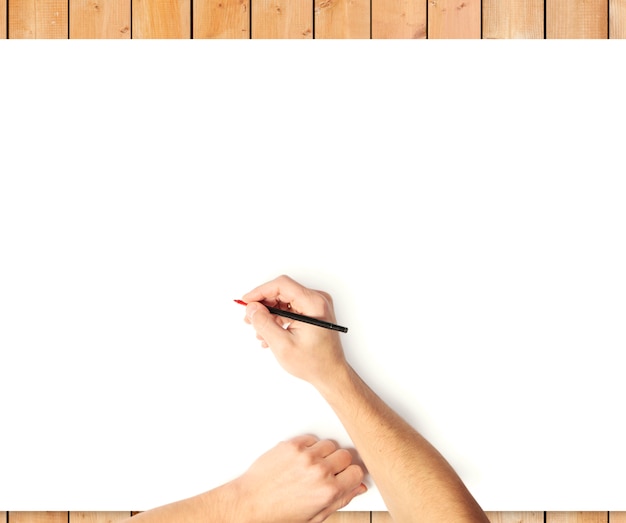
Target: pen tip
[{"x": 240, "y": 302}]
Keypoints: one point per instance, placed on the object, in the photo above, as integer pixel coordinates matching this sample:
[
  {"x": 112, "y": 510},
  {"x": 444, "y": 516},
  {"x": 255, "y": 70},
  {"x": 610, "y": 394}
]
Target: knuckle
[
  {"x": 332, "y": 446},
  {"x": 319, "y": 300},
  {"x": 294, "y": 444},
  {"x": 317, "y": 471},
  {"x": 327, "y": 297},
  {"x": 283, "y": 279},
  {"x": 291, "y": 446},
  {"x": 345, "y": 455},
  {"x": 316, "y": 468},
  {"x": 330, "y": 493},
  {"x": 360, "y": 474},
  {"x": 319, "y": 304},
  {"x": 357, "y": 472}
]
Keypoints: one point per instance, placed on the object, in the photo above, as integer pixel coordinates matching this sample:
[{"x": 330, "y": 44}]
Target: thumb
[{"x": 263, "y": 323}]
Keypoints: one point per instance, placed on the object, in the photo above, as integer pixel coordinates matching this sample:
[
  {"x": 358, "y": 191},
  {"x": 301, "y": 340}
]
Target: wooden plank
[
  {"x": 221, "y": 18},
  {"x": 515, "y": 517},
  {"x": 38, "y": 19},
  {"x": 97, "y": 517},
  {"x": 617, "y": 517},
  {"x": 161, "y": 18},
  {"x": 3, "y": 517},
  {"x": 454, "y": 19},
  {"x": 577, "y": 19},
  {"x": 38, "y": 517},
  {"x": 617, "y": 22},
  {"x": 349, "y": 517},
  {"x": 100, "y": 19},
  {"x": 342, "y": 18},
  {"x": 282, "y": 19},
  {"x": 577, "y": 517},
  {"x": 513, "y": 18},
  {"x": 3, "y": 34},
  {"x": 494, "y": 517},
  {"x": 398, "y": 19}
]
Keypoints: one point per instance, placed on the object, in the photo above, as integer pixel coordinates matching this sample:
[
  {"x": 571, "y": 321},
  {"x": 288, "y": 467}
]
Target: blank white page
[{"x": 484, "y": 293}]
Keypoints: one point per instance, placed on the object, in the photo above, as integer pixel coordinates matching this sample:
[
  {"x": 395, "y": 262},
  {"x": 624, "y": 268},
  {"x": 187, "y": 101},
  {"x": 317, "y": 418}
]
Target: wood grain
[
  {"x": 342, "y": 18},
  {"x": 339, "y": 517},
  {"x": 577, "y": 517},
  {"x": 617, "y": 20},
  {"x": 349, "y": 517},
  {"x": 100, "y": 19},
  {"x": 38, "y": 19},
  {"x": 282, "y": 19},
  {"x": 577, "y": 19},
  {"x": 398, "y": 19},
  {"x": 97, "y": 517},
  {"x": 161, "y": 19},
  {"x": 3, "y": 34},
  {"x": 454, "y": 19},
  {"x": 221, "y": 18},
  {"x": 513, "y": 18},
  {"x": 38, "y": 517},
  {"x": 294, "y": 19},
  {"x": 515, "y": 517}
]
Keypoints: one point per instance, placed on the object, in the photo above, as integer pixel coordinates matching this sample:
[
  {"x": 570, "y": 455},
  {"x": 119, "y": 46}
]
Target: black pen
[{"x": 300, "y": 317}]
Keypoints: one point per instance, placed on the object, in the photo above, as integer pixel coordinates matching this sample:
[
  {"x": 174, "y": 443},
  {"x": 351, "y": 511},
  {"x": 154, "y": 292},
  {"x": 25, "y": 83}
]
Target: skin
[
  {"x": 306, "y": 479},
  {"x": 414, "y": 479},
  {"x": 311, "y": 480},
  {"x": 300, "y": 480}
]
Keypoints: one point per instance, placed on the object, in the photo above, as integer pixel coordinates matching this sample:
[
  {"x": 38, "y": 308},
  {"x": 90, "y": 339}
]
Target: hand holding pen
[
  {"x": 307, "y": 478},
  {"x": 300, "y": 317},
  {"x": 400, "y": 460},
  {"x": 303, "y": 349}
]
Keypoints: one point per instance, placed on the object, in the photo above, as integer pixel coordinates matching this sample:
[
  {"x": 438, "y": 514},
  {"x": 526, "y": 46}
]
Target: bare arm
[
  {"x": 302, "y": 480},
  {"x": 415, "y": 481},
  {"x": 216, "y": 505}
]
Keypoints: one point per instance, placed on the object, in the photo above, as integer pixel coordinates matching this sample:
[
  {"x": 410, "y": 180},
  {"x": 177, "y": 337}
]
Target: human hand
[
  {"x": 306, "y": 351},
  {"x": 300, "y": 480}
]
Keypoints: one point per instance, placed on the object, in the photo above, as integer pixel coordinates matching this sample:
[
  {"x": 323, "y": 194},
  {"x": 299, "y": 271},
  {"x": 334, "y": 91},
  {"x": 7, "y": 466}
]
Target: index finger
[{"x": 286, "y": 290}]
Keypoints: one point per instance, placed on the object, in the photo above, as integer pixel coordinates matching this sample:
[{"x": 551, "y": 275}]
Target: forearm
[
  {"x": 301, "y": 480},
  {"x": 216, "y": 505},
  {"x": 414, "y": 479}
]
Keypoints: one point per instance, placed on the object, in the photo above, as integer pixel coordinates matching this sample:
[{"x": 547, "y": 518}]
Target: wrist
[
  {"x": 226, "y": 504},
  {"x": 335, "y": 382}
]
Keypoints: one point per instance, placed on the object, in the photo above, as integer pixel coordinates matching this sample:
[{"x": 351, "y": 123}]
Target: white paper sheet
[{"x": 485, "y": 305}]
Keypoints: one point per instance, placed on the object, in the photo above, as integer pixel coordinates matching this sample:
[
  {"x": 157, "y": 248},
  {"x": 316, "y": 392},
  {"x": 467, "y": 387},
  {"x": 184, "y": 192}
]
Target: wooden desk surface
[
  {"x": 339, "y": 517},
  {"x": 556, "y": 517},
  {"x": 313, "y": 19}
]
